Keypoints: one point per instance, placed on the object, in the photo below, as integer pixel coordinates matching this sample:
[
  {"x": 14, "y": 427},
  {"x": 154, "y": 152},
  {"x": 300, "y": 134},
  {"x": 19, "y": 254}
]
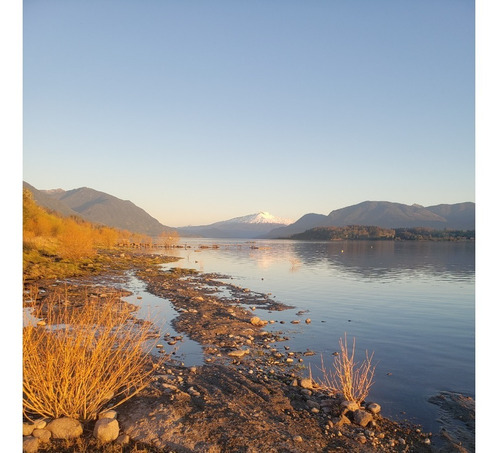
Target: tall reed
[
  {"x": 82, "y": 357},
  {"x": 347, "y": 377}
]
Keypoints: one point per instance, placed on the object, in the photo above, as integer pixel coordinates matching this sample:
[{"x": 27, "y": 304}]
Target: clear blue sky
[{"x": 199, "y": 111}]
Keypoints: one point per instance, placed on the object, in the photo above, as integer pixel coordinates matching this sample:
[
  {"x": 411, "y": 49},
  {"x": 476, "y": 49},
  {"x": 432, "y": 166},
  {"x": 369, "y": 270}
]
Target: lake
[{"x": 411, "y": 303}]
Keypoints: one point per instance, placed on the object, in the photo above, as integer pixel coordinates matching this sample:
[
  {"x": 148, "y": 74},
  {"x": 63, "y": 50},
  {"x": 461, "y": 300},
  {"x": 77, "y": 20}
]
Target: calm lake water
[{"x": 411, "y": 303}]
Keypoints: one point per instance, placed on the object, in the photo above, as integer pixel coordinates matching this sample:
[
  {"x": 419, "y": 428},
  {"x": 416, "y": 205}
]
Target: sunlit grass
[{"x": 83, "y": 357}]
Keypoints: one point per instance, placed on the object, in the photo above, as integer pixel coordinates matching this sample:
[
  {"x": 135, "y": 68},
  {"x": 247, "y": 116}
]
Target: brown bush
[{"x": 82, "y": 357}]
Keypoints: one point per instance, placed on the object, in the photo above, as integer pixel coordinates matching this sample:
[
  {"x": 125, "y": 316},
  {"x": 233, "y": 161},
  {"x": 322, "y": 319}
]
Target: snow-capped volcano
[
  {"x": 260, "y": 217},
  {"x": 249, "y": 226}
]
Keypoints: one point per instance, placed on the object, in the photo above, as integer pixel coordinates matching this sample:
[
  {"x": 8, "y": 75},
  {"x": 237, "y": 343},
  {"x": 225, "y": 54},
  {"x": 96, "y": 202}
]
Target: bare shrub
[
  {"x": 82, "y": 357},
  {"x": 347, "y": 377},
  {"x": 77, "y": 241}
]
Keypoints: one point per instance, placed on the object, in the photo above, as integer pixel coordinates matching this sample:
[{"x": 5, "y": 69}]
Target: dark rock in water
[{"x": 457, "y": 416}]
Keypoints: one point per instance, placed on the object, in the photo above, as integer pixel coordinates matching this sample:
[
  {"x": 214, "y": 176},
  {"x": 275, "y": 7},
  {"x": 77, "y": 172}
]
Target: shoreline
[{"x": 246, "y": 396}]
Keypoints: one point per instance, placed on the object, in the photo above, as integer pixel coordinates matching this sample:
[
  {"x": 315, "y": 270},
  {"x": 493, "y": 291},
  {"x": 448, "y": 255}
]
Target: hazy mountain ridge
[
  {"x": 44, "y": 199},
  {"x": 386, "y": 214},
  {"x": 99, "y": 207},
  {"x": 250, "y": 226}
]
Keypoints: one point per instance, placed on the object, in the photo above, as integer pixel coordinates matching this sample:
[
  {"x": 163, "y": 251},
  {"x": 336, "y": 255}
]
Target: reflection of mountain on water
[{"x": 384, "y": 259}]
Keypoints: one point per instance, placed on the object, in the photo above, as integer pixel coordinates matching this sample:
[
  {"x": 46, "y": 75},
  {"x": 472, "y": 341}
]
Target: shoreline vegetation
[
  {"x": 359, "y": 232},
  {"x": 245, "y": 397}
]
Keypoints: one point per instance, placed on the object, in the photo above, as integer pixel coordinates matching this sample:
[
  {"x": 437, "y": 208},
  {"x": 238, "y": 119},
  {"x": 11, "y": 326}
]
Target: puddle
[{"x": 161, "y": 312}]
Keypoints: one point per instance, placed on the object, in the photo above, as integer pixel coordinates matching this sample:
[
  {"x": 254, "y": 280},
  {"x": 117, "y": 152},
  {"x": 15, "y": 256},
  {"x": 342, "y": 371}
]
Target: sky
[{"x": 201, "y": 111}]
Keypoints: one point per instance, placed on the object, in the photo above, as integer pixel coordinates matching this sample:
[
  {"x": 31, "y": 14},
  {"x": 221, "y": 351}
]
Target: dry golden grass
[
  {"x": 347, "y": 377},
  {"x": 82, "y": 357}
]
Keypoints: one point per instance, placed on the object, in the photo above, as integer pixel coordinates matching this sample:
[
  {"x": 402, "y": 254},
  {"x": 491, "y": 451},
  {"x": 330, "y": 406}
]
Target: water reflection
[
  {"x": 388, "y": 259},
  {"x": 366, "y": 259}
]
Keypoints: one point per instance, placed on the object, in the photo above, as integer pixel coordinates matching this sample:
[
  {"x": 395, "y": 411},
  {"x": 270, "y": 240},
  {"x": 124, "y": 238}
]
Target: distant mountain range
[
  {"x": 102, "y": 208},
  {"x": 250, "y": 226},
  {"x": 460, "y": 216},
  {"x": 99, "y": 207}
]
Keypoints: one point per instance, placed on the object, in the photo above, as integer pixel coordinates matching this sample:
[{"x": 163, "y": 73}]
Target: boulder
[
  {"x": 65, "y": 428},
  {"x": 106, "y": 430}
]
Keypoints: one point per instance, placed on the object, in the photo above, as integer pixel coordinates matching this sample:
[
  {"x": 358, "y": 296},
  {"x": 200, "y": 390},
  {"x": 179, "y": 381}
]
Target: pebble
[{"x": 297, "y": 439}]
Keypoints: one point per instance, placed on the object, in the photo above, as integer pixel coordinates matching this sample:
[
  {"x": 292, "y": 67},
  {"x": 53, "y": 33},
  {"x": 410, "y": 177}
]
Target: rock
[
  {"x": 106, "y": 430},
  {"x": 28, "y": 429},
  {"x": 347, "y": 406},
  {"x": 339, "y": 421},
  {"x": 123, "y": 439},
  {"x": 312, "y": 403},
  {"x": 306, "y": 383},
  {"x": 308, "y": 321},
  {"x": 374, "y": 408},
  {"x": 30, "y": 444},
  {"x": 65, "y": 428},
  {"x": 107, "y": 414},
  {"x": 256, "y": 321},
  {"x": 297, "y": 439},
  {"x": 43, "y": 434},
  {"x": 238, "y": 353},
  {"x": 362, "y": 418},
  {"x": 40, "y": 424},
  {"x": 361, "y": 438}
]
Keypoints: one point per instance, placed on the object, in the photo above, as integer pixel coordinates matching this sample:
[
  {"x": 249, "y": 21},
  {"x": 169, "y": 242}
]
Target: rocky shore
[{"x": 246, "y": 397}]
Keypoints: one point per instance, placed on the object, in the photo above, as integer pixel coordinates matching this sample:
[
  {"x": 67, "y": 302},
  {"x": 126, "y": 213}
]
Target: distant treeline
[{"x": 361, "y": 232}]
